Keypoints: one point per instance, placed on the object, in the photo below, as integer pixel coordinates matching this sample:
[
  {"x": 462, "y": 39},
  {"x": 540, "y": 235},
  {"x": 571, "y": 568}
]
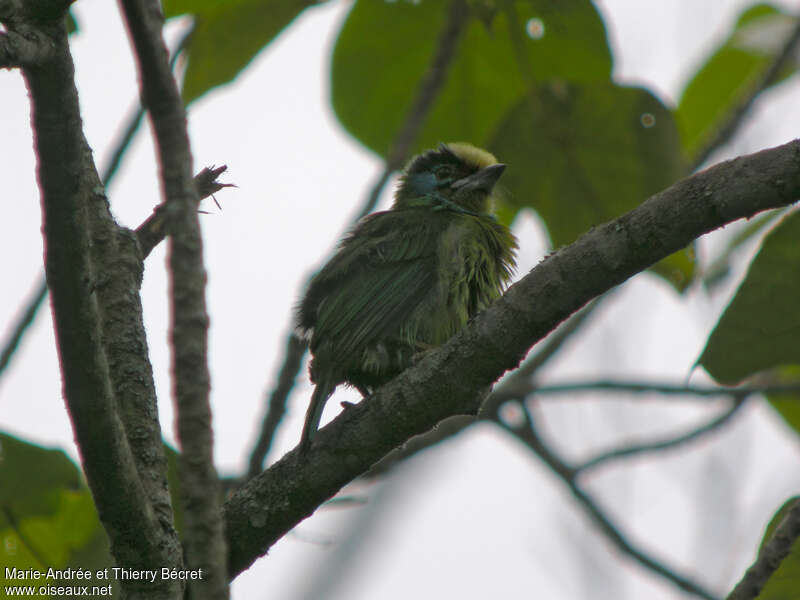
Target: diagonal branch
[
  {"x": 427, "y": 92},
  {"x": 453, "y": 378},
  {"x": 204, "y": 540},
  {"x": 770, "y": 556},
  {"x": 527, "y": 434}
]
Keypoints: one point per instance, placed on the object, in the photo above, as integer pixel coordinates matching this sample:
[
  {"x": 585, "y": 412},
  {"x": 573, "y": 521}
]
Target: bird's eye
[{"x": 444, "y": 172}]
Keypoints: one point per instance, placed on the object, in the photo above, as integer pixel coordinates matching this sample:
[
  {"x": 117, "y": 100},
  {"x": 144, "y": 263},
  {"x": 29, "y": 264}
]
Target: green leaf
[
  {"x": 47, "y": 515},
  {"x": 582, "y": 154},
  {"x": 785, "y": 581},
  {"x": 228, "y": 35},
  {"x": 786, "y": 405},
  {"x": 730, "y": 74},
  {"x": 761, "y": 326},
  {"x": 33, "y": 478},
  {"x": 384, "y": 49}
]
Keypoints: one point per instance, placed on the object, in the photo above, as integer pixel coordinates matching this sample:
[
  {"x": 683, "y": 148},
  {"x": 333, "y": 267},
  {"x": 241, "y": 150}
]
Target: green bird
[{"x": 405, "y": 280}]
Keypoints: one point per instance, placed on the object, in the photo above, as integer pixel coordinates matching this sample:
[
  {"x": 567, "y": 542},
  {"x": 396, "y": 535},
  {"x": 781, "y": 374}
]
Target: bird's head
[{"x": 458, "y": 175}]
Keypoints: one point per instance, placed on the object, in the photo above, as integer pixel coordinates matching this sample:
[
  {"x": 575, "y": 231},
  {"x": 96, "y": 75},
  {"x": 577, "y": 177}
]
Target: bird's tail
[{"x": 322, "y": 391}]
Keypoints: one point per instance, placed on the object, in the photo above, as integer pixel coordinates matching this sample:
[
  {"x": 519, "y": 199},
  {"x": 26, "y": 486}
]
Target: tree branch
[
  {"x": 77, "y": 228},
  {"x": 770, "y": 556},
  {"x": 204, "y": 540},
  {"x": 427, "y": 92},
  {"x": 453, "y": 378},
  {"x": 295, "y": 349},
  {"x": 521, "y": 380},
  {"x": 26, "y": 317},
  {"x": 156, "y": 227},
  {"x": 527, "y": 434},
  {"x": 664, "y": 444}
]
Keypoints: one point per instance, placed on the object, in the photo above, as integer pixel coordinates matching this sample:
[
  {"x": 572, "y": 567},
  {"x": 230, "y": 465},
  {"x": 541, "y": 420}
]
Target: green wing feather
[{"x": 380, "y": 275}]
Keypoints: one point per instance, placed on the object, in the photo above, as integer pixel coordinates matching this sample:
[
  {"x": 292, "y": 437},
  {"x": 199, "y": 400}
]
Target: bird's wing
[{"x": 381, "y": 273}]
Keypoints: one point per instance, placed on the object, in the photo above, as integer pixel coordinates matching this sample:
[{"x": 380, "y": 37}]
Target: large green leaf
[
  {"x": 385, "y": 48},
  {"x": 785, "y": 581},
  {"x": 582, "y": 154},
  {"x": 47, "y": 516},
  {"x": 760, "y": 329},
  {"x": 730, "y": 74},
  {"x": 32, "y": 479},
  {"x": 228, "y": 35}
]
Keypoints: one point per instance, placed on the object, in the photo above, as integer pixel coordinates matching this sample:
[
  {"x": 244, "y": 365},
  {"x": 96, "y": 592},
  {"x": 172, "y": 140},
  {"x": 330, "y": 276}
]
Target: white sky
[{"x": 478, "y": 516}]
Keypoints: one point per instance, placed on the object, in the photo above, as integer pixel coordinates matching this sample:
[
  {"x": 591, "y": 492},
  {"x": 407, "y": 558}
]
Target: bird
[{"x": 404, "y": 280}]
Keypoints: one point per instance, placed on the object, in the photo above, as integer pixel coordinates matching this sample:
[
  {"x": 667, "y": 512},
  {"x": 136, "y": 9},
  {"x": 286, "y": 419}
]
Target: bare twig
[
  {"x": 737, "y": 115},
  {"x": 664, "y": 444},
  {"x": 647, "y": 387},
  {"x": 527, "y": 434},
  {"x": 770, "y": 557},
  {"x": 295, "y": 348},
  {"x": 135, "y": 118},
  {"x": 204, "y": 540},
  {"x": 427, "y": 92},
  {"x": 156, "y": 227},
  {"x": 24, "y": 321}
]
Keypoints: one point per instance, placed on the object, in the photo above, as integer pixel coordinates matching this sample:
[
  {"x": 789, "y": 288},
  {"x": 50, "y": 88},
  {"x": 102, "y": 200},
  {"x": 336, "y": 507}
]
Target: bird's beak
[{"x": 482, "y": 180}]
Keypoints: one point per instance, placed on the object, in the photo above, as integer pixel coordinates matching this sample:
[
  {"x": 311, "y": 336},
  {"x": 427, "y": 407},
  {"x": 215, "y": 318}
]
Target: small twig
[
  {"x": 295, "y": 349},
  {"x": 738, "y": 113},
  {"x": 24, "y": 321},
  {"x": 665, "y": 444},
  {"x": 155, "y": 228},
  {"x": 427, "y": 92},
  {"x": 643, "y": 387},
  {"x": 528, "y": 434},
  {"x": 135, "y": 118},
  {"x": 770, "y": 557}
]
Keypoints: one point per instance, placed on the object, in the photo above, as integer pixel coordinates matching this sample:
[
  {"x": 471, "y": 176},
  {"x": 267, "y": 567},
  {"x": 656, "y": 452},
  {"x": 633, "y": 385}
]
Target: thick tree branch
[
  {"x": 205, "y": 543},
  {"x": 770, "y": 556},
  {"x": 516, "y": 385},
  {"x": 24, "y": 50},
  {"x": 452, "y": 379},
  {"x": 77, "y": 226}
]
